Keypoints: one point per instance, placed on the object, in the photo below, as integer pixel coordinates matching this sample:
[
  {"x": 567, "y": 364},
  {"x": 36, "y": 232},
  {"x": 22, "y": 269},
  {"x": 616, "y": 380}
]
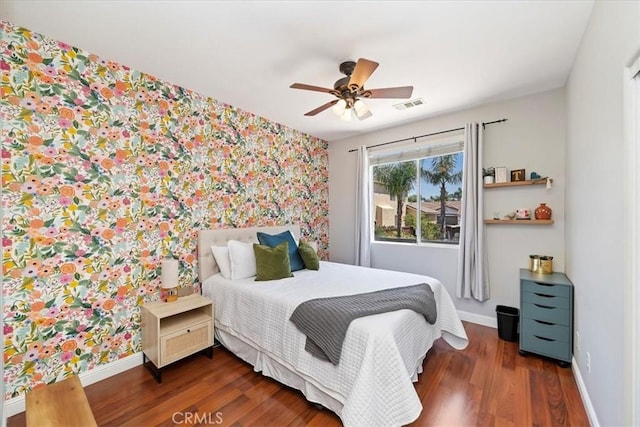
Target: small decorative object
[
  {"x": 169, "y": 279},
  {"x": 549, "y": 181},
  {"x": 496, "y": 215},
  {"x": 501, "y": 174},
  {"x": 543, "y": 211},
  {"x": 518, "y": 175},
  {"x": 511, "y": 215},
  {"x": 546, "y": 264},
  {"x": 541, "y": 264},
  {"x": 534, "y": 263},
  {"x": 523, "y": 213},
  {"x": 534, "y": 175},
  {"x": 488, "y": 175}
]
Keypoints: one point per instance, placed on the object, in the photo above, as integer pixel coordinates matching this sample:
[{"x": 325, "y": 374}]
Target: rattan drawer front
[{"x": 187, "y": 341}]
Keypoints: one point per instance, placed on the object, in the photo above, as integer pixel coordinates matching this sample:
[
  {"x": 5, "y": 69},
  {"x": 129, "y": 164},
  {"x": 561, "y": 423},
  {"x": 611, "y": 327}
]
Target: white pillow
[
  {"x": 243, "y": 260},
  {"x": 221, "y": 254}
]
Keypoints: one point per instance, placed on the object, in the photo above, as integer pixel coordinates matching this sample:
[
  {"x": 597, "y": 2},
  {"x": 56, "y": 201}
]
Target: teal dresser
[{"x": 546, "y": 315}]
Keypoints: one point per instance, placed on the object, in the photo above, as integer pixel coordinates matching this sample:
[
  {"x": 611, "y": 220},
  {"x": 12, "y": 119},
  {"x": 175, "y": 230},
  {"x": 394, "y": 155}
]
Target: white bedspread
[{"x": 381, "y": 356}]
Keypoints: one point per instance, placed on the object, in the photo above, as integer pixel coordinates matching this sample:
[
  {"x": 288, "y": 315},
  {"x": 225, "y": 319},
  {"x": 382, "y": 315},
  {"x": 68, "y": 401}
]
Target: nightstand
[{"x": 174, "y": 330}]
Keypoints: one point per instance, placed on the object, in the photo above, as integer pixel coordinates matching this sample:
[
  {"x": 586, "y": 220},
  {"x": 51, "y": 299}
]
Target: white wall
[
  {"x": 533, "y": 138},
  {"x": 595, "y": 228}
]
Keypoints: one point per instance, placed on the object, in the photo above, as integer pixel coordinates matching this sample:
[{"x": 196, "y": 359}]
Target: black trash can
[{"x": 508, "y": 322}]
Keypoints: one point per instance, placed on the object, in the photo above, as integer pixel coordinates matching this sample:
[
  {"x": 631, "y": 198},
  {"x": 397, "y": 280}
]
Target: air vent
[{"x": 409, "y": 104}]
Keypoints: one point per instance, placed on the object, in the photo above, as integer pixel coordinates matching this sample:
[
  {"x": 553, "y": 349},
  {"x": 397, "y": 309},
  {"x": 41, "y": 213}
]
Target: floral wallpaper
[{"x": 107, "y": 170}]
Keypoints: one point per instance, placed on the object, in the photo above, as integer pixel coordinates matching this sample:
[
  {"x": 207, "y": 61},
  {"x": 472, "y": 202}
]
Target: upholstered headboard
[{"x": 207, "y": 266}]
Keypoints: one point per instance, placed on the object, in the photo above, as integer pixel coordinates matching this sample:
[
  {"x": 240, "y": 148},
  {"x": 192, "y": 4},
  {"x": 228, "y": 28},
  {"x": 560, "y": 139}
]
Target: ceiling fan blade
[
  {"x": 321, "y": 108},
  {"x": 364, "y": 69},
  {"x": 310, "y": 87},
  {"x": 391, "y": 92}
]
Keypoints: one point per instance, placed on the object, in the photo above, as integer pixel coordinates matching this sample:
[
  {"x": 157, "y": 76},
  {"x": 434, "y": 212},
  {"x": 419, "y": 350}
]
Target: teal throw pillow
[
  {"x": 272, "y": 263},
  {"x": 273, "y": 240},
  {"x": 309, "y": 256}
]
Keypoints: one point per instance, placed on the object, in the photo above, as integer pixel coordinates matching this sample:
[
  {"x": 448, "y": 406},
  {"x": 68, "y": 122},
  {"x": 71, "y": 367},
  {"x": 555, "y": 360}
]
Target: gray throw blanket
[{"x": 325, "y": 320}]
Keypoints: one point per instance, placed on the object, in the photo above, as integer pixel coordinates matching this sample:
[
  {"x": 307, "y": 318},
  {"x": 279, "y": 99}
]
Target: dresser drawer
[
  {"x": 561, "y": 316},
  {"x": 545, "y": 330},
  {"x": 546, "y": 289},
  {"x": 546, "y": 300},
  {"x": 547, "y": 347},
  {"x": 182, "y": 343}
]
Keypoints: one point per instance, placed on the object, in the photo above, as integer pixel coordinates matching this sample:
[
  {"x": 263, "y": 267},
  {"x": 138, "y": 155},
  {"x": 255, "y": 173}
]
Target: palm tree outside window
[{"x": 419, "y": 200}]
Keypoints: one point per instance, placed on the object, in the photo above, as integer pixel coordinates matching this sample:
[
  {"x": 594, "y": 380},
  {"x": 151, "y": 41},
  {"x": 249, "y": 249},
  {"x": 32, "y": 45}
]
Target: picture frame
[
  {"x": 501, "y": 174},
  {"x": 518, "y": 175}
]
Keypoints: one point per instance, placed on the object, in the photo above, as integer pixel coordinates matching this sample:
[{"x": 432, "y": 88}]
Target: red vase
[{"x": 543, "y": 211}]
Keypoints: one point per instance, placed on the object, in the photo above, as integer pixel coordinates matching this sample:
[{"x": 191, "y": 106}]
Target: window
[{"x": 417, "y": 192}]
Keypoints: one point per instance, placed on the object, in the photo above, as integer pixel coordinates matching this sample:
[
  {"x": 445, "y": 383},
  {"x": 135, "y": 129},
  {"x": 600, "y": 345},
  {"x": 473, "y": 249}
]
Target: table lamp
[{"x": 169, "y": 279}]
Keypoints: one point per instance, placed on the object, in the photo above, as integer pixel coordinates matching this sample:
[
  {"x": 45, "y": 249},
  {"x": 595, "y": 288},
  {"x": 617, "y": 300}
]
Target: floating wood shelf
[
  {"x": 519, "y": 221},
  {"x": 541, "y": 181}
]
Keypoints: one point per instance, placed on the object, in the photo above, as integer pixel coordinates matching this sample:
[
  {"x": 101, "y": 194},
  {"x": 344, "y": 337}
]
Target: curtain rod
[{"x": 425, "y": 135}]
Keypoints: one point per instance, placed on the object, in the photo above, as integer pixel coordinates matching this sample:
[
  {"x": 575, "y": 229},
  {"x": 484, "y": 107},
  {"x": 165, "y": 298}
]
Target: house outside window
[{"x": 417, "y": 193}]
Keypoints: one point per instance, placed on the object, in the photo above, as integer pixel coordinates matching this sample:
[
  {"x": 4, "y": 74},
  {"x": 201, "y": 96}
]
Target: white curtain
[
  {"x": 363, "y": 209},
  {"x": 473, "y": 277}
]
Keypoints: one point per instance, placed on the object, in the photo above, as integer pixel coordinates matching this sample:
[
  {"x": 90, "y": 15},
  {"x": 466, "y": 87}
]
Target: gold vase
[
  {"x": 546, "y": 264},
  {"x": 534, "y": 263}
]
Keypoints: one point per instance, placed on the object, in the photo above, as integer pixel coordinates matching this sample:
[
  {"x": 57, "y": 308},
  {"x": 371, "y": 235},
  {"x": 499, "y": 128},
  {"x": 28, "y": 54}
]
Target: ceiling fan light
[
  {"x": 339, "y": 107},
  {"x": 346, "y": 116},
  {"x": 361, "y": 108}
]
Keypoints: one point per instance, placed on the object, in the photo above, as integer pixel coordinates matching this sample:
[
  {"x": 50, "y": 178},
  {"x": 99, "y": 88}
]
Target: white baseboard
[
  {"x": 478, "y": 319},
  {"x": 586, "y": 401},
  {"x": 15, "y": 405}
]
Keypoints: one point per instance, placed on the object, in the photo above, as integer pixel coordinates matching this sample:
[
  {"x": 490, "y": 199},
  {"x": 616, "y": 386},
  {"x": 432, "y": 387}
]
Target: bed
[{"x": 382, "y": 354}]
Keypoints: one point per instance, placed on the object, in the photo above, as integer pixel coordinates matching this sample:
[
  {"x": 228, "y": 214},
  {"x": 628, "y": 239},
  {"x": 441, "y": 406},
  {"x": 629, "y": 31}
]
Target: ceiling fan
[{"x": 350, "y": 89}]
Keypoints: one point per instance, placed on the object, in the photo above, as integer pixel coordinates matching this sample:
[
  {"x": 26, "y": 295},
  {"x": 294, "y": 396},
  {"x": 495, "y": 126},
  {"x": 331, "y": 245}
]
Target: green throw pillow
[
  {"x": 309, "y": 256},
  {"x": 272, "y": 263}
]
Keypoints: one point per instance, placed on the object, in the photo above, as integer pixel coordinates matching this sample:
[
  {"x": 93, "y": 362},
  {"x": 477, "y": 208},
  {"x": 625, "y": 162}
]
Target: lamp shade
[
  {"x": 338, "y": 108},
  {"x": 346, "y": 116},
  {"x": 361, "y": 108},
  {"x": 169, "y": 275}
]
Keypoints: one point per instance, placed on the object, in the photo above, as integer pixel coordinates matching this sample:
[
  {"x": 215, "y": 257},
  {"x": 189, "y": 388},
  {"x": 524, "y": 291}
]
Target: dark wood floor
[{"x": 486, "y": 384}]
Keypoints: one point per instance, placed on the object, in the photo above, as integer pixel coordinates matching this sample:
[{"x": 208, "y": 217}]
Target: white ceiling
[{"x": 246, "y": 53}]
